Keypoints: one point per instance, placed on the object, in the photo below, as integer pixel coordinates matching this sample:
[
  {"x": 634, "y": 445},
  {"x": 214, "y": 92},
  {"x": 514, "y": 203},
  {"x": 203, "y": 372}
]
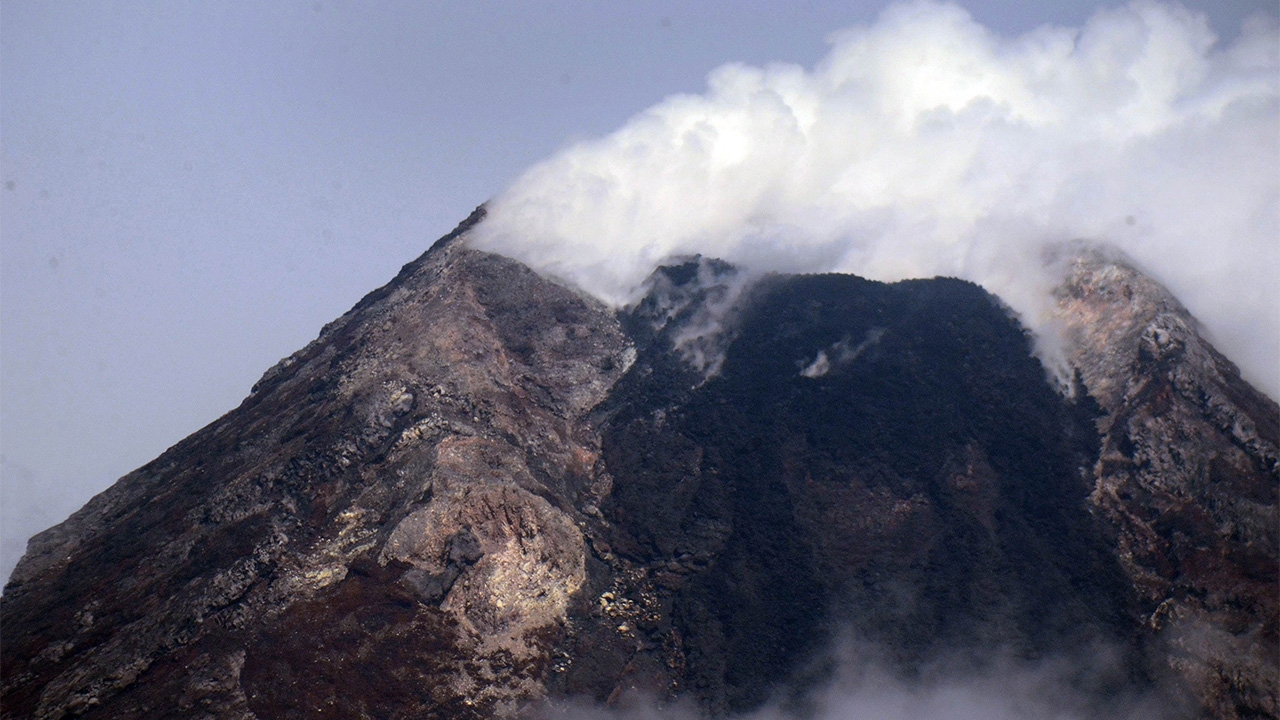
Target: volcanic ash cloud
[{"x": 925, "y": 144}]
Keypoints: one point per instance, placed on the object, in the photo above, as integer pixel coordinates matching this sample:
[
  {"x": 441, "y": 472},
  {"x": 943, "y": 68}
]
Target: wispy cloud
[{"x": 1083, "y": 684}]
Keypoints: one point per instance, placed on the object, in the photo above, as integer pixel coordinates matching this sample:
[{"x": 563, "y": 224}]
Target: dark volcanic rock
[
  {"x": 479, "y": 490},
  {"x": 887, "y": 457}
]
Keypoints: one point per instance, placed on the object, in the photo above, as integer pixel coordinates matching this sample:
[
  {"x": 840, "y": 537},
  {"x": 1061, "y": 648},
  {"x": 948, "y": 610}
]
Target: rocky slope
[
  {"x": 478, "y": 490},
  {"x": 387, "y": 526},
  {"x": 1187, "y": 480}
]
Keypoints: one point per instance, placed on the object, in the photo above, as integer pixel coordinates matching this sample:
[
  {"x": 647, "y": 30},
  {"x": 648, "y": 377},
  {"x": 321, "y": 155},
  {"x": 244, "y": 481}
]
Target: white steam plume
[{"x": 927, "y": 145}]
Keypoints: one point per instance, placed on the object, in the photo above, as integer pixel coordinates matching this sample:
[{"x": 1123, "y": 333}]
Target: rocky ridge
[
  {"x": 406, "y": 487},
  {"x": 1187, "y": 479}
]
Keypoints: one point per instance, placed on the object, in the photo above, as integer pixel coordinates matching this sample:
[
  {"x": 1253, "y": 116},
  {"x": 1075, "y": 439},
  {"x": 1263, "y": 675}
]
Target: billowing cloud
[{"x": 925, "y": 144}]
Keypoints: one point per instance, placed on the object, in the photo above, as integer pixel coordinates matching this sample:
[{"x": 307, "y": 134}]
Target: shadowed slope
[{"x": 923, "y": 485}]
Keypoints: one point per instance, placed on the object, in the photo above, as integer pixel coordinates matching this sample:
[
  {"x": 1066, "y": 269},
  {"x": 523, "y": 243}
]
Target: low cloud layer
[
  {"x": 925, "y": 144},
  {"x": 1083, "y": 685}
]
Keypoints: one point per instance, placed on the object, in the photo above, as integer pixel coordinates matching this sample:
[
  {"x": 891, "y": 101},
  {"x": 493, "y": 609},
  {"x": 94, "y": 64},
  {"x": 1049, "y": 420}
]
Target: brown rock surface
[
  {"x": 388, "y": 524},
  {"x": 1188, "y": 478}
]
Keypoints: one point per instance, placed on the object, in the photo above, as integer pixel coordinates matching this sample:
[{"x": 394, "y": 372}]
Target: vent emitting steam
[{"x": 927, "y": 145}]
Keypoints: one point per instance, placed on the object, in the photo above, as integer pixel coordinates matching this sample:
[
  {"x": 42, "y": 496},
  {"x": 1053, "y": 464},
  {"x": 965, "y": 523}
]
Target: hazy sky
[{"x": 191, "y": 190}]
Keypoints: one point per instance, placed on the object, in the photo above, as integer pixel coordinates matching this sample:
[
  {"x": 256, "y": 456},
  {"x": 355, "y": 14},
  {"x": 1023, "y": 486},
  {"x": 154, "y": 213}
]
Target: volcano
[{"x": 480, "y": 493}]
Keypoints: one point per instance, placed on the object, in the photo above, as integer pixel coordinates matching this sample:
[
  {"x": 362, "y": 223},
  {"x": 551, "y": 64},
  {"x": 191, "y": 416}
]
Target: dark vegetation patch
[{"x": 924, "y": 489}]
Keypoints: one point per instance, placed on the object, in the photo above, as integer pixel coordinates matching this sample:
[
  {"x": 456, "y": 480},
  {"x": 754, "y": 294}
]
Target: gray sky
[{"x": 191, "y": 190}]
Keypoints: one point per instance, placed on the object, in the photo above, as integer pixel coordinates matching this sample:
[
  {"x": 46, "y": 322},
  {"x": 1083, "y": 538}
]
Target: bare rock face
[
  {"x": 1188, "y": 477},
  {"x": 921, "y": 489},
  {"x": 387, "y": 526}
]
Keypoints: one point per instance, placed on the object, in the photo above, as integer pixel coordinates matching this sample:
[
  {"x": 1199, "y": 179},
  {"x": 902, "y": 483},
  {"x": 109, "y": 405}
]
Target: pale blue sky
[{"x": 191, "y": 190}]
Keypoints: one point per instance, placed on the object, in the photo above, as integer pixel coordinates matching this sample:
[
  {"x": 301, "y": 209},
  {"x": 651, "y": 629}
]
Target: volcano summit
[{"x": 480, "y": 493}]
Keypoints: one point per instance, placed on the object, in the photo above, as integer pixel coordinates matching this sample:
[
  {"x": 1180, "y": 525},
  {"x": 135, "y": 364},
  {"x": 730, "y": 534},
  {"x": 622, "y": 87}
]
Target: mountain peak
[{"x": 479, "y": 491}]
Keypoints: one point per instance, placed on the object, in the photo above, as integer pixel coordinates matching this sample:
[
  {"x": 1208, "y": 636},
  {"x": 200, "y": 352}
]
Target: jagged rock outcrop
[
  {"x": 479, "y": 490},
  {"x": 1188, "y": 478}
]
